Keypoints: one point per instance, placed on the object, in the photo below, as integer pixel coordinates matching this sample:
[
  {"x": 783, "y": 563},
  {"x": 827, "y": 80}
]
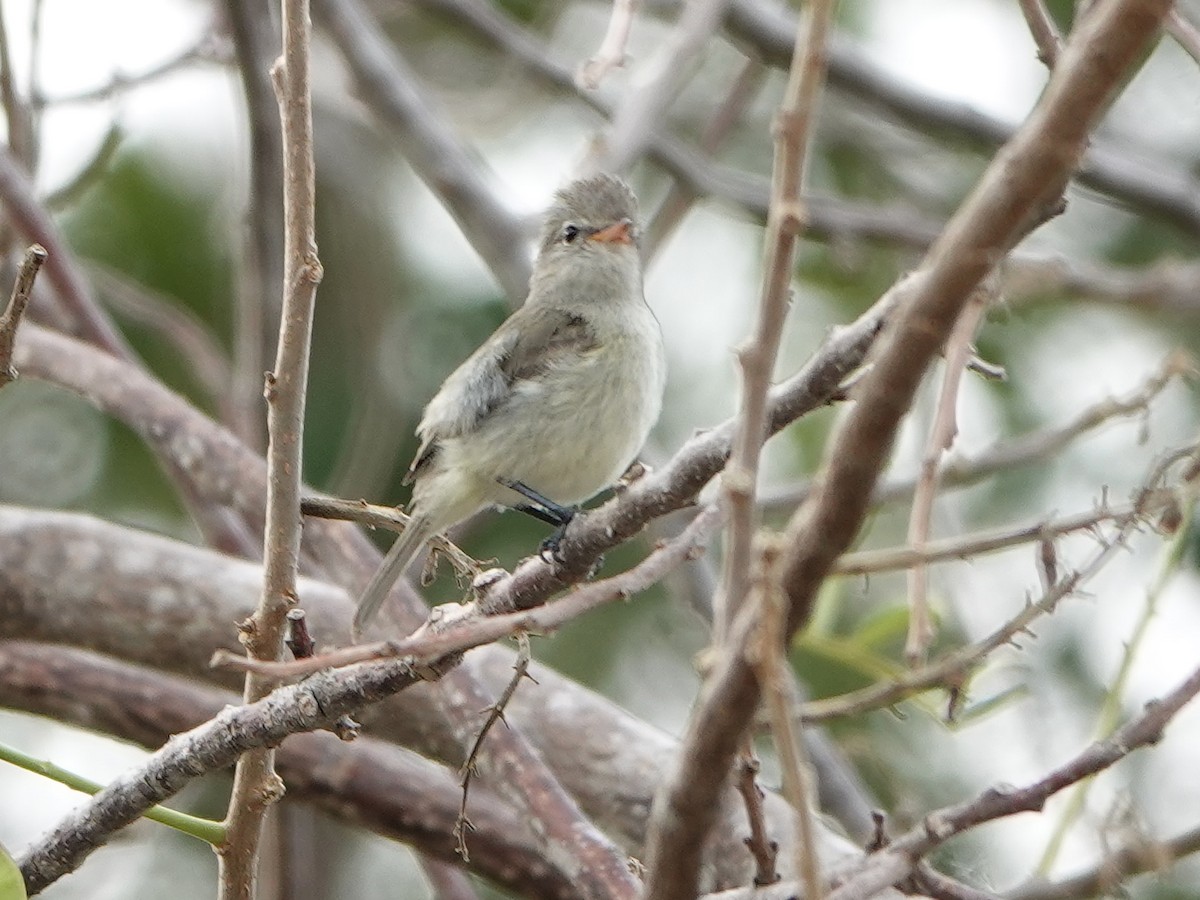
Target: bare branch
[
  {"x": 954, "y": 667},
  {"x": 10, "y": 321},
  {"x": 1151, "y": 856},
  {"x": 1025, "y": 179},
  {"x": 1185, "y": 33},
  {"x": 1170, "y": 286},
  {"x": 1037, "y": 446},
  {"x": 785, "y": 222},
  {"x": 33, "y": 222},
  {"x": 453, "y": 628},
  {"x": 365, "y": 513},
  {"x": 1045, "y": 33},
  {"x": 207, "y": 50},
  {"x": 439, "y": 157},
  {"x": 941, "y": 437},
  {"x": 314, "y": 703},
  {"x": 169, "y": 605},
  {"x": 611, "y": 54},
  {"x": 967, "y": 546},
  {"x": 773, "y": 673},
  {"x": 654, "y": 85},
  {"x": 887, "y": 866},
  {"x": 1159, "y": 188},
  {"x": 255, "y": 785},
  {"x": 394, "y": 792},
  {"x": 259, "y": 289}
]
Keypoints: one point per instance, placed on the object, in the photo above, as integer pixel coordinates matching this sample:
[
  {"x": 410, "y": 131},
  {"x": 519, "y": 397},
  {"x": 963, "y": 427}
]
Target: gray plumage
[{"x": 560, "y": 398}]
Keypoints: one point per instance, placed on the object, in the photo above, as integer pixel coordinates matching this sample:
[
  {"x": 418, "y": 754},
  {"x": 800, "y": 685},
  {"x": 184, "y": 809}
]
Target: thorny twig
[
  {"x": 954, "y": 666},
  {"x": 1037, "y": 446},
  {"x": 896, "y": 861},
  {"x": 495, "y": 713},
  {"x": 942, "y": 433}
]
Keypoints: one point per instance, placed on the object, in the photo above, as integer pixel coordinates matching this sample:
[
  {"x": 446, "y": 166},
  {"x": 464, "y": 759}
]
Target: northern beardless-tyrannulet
[{"x": 559, "y": 399}]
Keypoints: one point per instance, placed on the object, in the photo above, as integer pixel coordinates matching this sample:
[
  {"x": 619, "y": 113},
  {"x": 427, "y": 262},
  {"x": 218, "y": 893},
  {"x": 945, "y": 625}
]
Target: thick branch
[{"x": 393, "y": 792}]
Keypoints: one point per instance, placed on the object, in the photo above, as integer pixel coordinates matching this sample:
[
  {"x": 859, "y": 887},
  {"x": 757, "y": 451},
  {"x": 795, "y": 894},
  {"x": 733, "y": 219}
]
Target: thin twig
[
  {"x": 763, "y": 849},
  {"x": 896, "y": 861},
  {"x": 611, "y": 54},
  {"x": 207, "y": 50},
  {"x": 771, "y": 669},
  {"x": 385, "y": 517},
  {"x": 255, "y": 784},
  {"x": 968, "y": 546},
  {"x": 17, "y": 302},
  {"x": 495, "y": 713},
  {"x": 656, "y": 84},
  {"x": 953, "y": 667},
  {"x": 785, "y": 222},
  {"x": 1044, "y": 31},
  {"x": 941, "y": 438},
  {"x": 1172, "y": 558},
  {"x": 1103, "y": 878},
  {"x": 1185, "y": 33},
  {"x": 453, "y": 629},
  {"x": 1012, "y": 453},
  {"x": 260, "y": 276}
]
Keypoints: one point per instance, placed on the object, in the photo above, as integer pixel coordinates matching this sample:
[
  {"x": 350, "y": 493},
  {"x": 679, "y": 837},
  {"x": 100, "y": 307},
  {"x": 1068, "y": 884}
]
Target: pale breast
[{"x": 572, "y": 432}]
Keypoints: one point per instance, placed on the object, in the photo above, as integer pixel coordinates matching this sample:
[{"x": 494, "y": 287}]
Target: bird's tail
[{"x": 418, "y": 530}]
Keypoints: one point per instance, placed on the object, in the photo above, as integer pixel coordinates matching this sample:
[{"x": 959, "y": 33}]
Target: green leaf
[
  {"x": 12, "y": 885},
  {"x": 832, "y": 665}
]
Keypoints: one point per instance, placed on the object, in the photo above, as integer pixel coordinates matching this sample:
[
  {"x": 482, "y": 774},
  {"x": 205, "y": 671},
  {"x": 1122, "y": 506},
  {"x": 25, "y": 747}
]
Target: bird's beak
[{"x": 617, "y": 233}]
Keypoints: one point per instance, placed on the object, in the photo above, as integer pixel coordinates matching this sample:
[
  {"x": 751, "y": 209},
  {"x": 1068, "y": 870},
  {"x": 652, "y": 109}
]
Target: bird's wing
[{"x": 522, "y": 348}]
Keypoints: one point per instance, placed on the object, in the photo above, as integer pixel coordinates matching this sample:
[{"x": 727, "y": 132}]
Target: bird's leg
[
  {"x": 538, "y": 513},
  {"x": 545, "y": 510}
]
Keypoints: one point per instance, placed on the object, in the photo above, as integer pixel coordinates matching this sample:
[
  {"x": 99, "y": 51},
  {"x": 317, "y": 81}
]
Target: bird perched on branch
[{"x": 557, "y": 403}]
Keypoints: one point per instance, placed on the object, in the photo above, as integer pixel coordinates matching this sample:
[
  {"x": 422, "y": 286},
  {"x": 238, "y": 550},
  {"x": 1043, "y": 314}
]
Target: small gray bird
[{"x": 557, "y": 403}]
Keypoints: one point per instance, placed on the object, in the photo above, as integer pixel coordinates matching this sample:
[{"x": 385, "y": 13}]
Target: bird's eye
[{"x": 569, "y": 233}]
